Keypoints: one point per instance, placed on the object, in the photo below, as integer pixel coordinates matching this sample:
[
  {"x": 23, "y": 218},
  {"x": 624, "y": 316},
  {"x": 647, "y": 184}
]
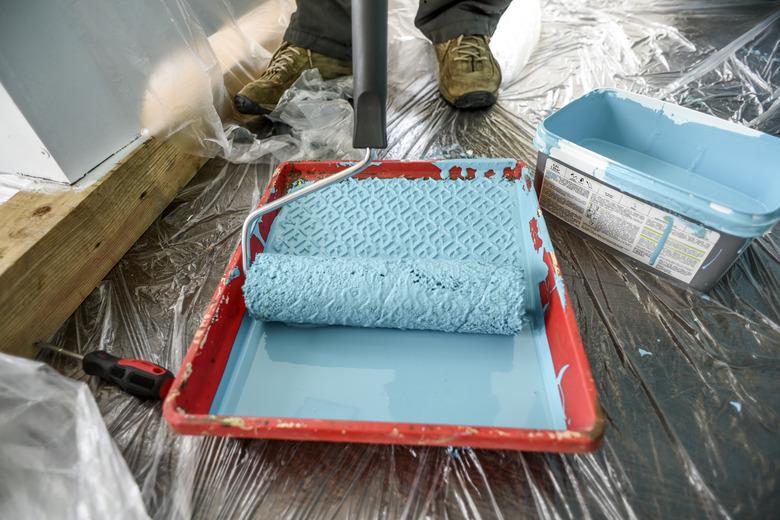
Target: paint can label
[{"x": 663, "y": 240}]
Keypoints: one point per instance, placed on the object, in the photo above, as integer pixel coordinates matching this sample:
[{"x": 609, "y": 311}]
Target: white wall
[
  {"x": 74, "y": 74},
  {"x": 21, "y": 150}
]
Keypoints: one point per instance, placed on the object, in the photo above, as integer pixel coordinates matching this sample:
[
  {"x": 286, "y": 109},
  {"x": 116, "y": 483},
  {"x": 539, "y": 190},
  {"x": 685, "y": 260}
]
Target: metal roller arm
[{"x": 252, "y": 218}]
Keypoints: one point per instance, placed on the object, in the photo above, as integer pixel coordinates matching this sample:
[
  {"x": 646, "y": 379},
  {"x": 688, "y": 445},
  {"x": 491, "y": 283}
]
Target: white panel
[{"x": 21, "y": 151}]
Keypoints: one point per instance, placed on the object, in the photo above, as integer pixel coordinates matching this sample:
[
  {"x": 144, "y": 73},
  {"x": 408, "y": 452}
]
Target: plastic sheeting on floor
[
  {"x": 688, "y": 382},
  {"x": 57, "y": 459}
]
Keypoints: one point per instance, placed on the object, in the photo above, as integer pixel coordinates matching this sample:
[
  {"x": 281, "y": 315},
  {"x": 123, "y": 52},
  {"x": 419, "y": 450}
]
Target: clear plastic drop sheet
[
  {"x": 688, "y": 382},
  {"x": 57, "y": 460}
]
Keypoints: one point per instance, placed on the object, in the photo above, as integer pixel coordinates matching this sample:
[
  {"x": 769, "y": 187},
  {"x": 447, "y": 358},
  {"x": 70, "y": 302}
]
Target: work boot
[
  {"x": 289, "y": 61},
  {"x": 469, "y": 75}
]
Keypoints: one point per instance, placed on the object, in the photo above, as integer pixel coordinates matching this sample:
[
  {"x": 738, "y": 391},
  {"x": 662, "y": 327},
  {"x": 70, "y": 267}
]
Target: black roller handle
[{"x": 369, "y": 72}]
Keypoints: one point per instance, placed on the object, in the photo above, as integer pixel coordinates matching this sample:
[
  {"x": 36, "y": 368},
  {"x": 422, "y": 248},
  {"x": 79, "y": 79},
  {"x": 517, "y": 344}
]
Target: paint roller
[
  {"x": 409, "y": 293},
  {"x": 418, "y": 293}
]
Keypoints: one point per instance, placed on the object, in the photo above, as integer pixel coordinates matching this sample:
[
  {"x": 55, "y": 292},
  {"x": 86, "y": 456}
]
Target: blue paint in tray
[{"x": 371, "y": 374}]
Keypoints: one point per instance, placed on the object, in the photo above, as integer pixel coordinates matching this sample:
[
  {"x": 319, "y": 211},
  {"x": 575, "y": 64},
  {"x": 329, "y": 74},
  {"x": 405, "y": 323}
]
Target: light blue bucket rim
[{"x": 738, "y": 223}]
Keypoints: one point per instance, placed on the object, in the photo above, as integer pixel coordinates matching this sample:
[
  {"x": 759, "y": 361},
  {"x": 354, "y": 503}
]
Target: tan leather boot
[
  {"x": 469, "y": 75},
  {"x": 288, "y": 62}
]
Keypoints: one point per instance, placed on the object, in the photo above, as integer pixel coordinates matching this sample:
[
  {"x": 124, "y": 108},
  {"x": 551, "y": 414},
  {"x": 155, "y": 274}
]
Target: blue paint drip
[
  {"x": 256, "y": 233},
  {"x": 234, "y": 273},
  {"x": 643, "y": 352},
  {"x": 698, "y": 230},
  {"x": 737, "y": 405},
  {"x": 454, "y": 452},
  {"x": 662, "y": 241},
  {"x": 705, "y": 266}
]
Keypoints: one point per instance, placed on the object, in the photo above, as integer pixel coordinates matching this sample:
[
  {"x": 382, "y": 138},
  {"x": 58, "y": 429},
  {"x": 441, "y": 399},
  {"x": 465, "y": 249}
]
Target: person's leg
[
  {"x": 469, "y": 75},
  {"x": 319, "y": 36},
  {"x": 322, "y": 26},
  {"x": 442, "y": 20}
]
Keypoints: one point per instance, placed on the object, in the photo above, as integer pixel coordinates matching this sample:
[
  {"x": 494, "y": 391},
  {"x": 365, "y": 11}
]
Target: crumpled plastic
[
  {"x": 313, "y": 120},
  {"x": 687, "y": 381},
  {"x": 57, "y": 460}
]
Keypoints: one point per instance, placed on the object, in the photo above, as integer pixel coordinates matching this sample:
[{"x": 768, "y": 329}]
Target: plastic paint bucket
[{"x": 674, "y": 189}]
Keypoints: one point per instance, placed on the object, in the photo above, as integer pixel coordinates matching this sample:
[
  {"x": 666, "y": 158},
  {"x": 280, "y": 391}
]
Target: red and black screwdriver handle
[{"x": 136, "y": 377}]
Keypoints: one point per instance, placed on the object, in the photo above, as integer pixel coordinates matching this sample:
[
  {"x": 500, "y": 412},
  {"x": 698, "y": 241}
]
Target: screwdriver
[{"x": 136, "y": 377}]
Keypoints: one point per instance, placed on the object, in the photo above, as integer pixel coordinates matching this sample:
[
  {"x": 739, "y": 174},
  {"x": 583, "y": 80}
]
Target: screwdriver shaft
[{"x": 58, "y": 350}]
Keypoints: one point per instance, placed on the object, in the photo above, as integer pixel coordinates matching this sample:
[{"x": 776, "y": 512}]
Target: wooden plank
[{"x": 56, "y": 247}]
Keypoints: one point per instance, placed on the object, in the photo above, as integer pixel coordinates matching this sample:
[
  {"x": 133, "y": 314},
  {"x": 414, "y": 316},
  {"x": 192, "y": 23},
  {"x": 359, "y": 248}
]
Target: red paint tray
[{"x": 534, "y": 391}]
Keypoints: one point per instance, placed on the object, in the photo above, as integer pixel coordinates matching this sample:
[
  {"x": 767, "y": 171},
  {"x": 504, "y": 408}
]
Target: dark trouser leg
[
  {"x": 322, "y": 26},
  {"x": 442, "y": 20}
]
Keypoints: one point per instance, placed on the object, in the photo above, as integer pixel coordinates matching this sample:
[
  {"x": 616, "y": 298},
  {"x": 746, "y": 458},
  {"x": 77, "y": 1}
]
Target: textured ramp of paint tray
[
  {"x": 423, "y": 294},
  {"x": 401, "y": 218}
]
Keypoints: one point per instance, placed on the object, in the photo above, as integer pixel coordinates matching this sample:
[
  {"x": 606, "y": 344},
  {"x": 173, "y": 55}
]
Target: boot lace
[
  {"x": 469, "y": 48},
  {"x": 282, "y": 59}
]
